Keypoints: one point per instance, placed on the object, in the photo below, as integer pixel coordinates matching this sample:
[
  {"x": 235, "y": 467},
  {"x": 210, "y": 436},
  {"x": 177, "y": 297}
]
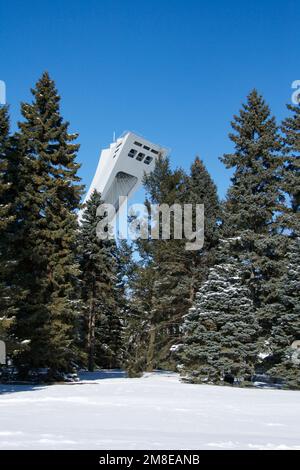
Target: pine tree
[
  {"x": 6, "y": 217},
  {"x": 220, "y": 330},
  {"x": 200, "y": 189},
  {"x": 255, "y": 201},
  {"x": 254, "y": 196},
  {"x": 99, "y": 266},
  {"x": 9, "y": 291},
  {"x": 5, "y": 324},
  {"x": 283, "y": 359},
  {"x": 8, "y": 167},
  {"x": 4, "y": 149},
  {"x": 126, "y": 269},
  {"x": 48, "y": 197},
  {"x": 171, "y": 288},
  {"x": 168, "y": 275},
  {"x": 285, "y": 333},
  {"x": 138, "y": 327},
  {"x": 291, "y": 169},
  {"x": 153, "y": 318}
]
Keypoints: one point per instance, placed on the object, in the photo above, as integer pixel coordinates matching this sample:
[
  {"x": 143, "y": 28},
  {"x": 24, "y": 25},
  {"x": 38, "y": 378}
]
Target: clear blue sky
[{"x": 174, "y": 71}]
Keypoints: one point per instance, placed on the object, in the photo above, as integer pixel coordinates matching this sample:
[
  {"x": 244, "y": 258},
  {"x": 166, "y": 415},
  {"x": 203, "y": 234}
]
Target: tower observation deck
[{"x": 122, "y": 166}]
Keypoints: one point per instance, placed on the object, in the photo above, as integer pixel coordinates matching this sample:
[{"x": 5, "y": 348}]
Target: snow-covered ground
[{"x": 109, "y": 411}]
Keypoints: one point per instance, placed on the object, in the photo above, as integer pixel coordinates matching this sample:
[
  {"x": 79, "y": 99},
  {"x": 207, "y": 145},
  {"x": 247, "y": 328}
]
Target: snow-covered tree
[
  {"x": 220, "y": 330},
  {"x": 285, "y": 334},
  {"x": 255, "y": 202}
]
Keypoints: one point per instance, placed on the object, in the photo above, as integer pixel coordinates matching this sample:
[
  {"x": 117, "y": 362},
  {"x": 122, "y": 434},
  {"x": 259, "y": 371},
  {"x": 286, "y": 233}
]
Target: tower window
[
  {"x": 146, "y": 147},
  {"x": 132, "y": 153},
  {"x": 137, "y": 143},
  {"x": 154, "y": 151},
  {"x": 148, "y": 160},
  {"x": 140, "y": 156}
]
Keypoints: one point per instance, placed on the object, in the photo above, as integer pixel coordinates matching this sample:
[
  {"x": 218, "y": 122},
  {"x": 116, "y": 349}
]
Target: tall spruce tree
[
  {"x": 255, "y": 200},
  {"x": 285, "y": 333},
  {"x": 291, "y": 169},
  {"x": 100, "y": 293},
  {"x": 254, "y": 195},
  {"x": 171, "y": 288},
  {"x": 8, "y": 172},
  {"x": 156, "y": 283},
  {"x": 200, "y": 189},
  {"x": 168, "y": 275},
  {"x": 6, "y": 214},
  {"x": 284, "y": 359},
  {"x": 10, "y": 291},
  {"x": 220, "y": 330},
  {"x": 48, "y": 196}
]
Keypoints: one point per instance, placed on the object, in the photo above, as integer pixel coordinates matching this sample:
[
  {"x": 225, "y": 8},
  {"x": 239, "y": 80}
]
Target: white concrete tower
[{"x": 122, "y": 166}]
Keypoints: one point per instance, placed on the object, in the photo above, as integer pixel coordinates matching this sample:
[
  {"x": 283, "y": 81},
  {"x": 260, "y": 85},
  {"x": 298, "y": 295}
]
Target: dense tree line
[
  {"x": 222, "y": 313},
  {"x": 166, "y": 279},
  {"x": 230, "y": 310},
  {"x": 261, "y": 217},
  {"x": 58, "y": 285}
]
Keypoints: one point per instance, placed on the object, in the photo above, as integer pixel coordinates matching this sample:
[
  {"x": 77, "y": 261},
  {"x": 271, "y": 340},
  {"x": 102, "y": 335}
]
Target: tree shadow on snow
[
  {"x": 13, "y": 388},
  {"x": 102, "y": 374}
]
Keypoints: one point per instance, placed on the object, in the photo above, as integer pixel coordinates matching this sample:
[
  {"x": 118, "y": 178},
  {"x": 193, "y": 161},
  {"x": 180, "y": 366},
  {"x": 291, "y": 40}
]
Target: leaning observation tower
[{"x": 122, "y": 166}]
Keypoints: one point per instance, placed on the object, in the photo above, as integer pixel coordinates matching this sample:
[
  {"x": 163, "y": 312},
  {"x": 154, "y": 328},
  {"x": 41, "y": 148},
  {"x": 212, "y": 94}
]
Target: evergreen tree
[
  {"x": 5, "y": 324},
  {"x": 220, "y": 330},
  {"x": 6, "y": 306},
  {"x": 8, "y": 167},
  {"x": 285, "y": 333},
  {"x": 165, "y": 282},
  {"x": 152, "y": 320},
  {"x": 283, "y": 358},
  {"x": 138, "y": 327},
  {"x": 126, "y": 268},
  {"x": 4, "y": 149},
  {"x": 99, "y": 266},
  {"x": 291, "y": 169},
  {"x": 254, "y": 196},
  {"x": 48, "y": 197},
  {"x": 254, "y": 202},
  {"x": 171, "y": 287},
  {"x": 200, "y": 189}
]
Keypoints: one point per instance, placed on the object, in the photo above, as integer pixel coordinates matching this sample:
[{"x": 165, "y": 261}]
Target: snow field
[{"x": 106, "y": 410}]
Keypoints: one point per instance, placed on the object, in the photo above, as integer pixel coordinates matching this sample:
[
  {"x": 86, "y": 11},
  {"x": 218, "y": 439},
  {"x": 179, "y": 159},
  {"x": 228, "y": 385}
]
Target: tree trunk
[{"x": 91, "y": 338}]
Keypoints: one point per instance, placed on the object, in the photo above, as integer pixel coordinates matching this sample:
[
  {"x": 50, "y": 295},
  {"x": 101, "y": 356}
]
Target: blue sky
[{"x": 174, "y": 71}]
